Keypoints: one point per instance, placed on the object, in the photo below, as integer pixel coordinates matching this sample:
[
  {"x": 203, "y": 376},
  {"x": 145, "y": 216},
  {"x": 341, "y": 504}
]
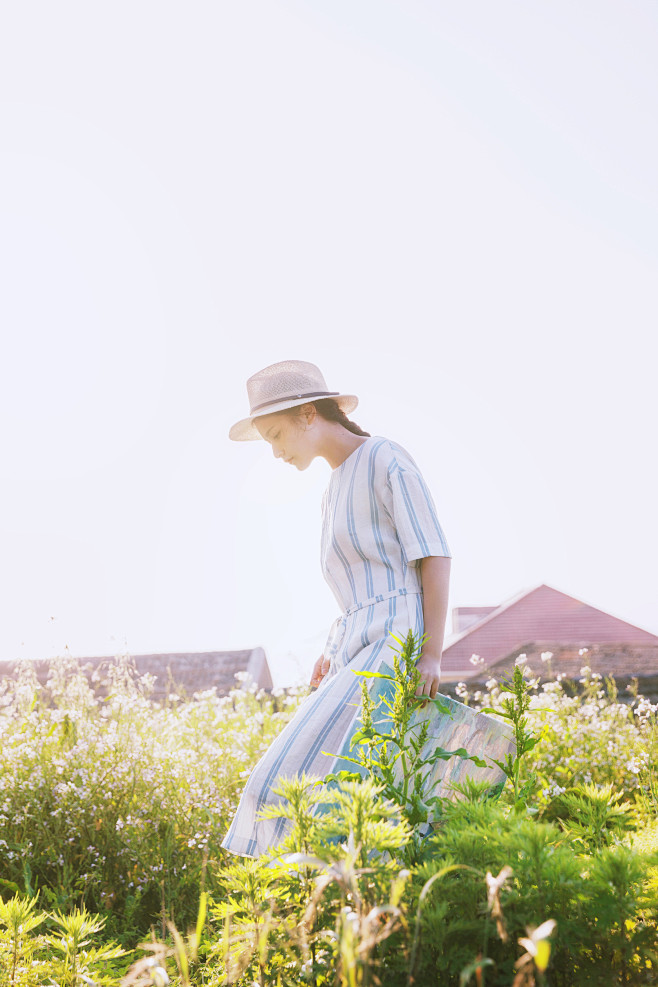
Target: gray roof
[{"x": 183, "y": 674}]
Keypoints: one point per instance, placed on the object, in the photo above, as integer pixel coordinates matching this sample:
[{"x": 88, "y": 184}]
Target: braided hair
[{"x": 328, "y": 409}]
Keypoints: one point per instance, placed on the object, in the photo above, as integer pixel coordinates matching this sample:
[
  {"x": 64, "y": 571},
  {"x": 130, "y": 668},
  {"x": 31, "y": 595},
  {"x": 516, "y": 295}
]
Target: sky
[{"x": 452, "y": 209}]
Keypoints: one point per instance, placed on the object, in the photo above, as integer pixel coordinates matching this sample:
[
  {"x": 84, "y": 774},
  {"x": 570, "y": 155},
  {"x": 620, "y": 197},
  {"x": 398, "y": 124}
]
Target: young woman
[{"x": 383, "y": 554}]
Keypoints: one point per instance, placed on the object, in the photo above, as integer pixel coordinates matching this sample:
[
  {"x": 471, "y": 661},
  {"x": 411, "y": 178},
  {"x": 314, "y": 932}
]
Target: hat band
[{"x": 294, "y": 397}]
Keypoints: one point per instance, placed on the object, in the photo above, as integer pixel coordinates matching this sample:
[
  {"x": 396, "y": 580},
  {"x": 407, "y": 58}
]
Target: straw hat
[{"x": 281, "y": 386}]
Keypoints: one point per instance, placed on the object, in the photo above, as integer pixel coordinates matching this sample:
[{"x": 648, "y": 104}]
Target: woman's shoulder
[
  {"x": 376, "y": 461},
  {"x": 393, "y": 454}
]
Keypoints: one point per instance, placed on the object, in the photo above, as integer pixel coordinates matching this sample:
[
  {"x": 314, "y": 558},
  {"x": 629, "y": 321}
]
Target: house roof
[
  {"x": 178, "y": 673},
  {"x": 538, "y": 614}
]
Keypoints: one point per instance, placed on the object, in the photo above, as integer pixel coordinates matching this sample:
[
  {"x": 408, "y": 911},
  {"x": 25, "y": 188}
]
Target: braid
[{"x": 328, "y": 409}]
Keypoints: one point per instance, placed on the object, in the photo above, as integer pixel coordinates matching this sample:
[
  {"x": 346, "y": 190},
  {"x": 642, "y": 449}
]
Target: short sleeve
[{"x": 414, "y": 516}]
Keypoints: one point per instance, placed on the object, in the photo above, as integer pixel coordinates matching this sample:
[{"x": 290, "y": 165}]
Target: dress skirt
[{"x": 325, "y": 720}]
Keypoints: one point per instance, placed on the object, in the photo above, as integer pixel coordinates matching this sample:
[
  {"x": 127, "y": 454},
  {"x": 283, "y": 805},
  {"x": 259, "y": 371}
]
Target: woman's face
[{"x": 289, "y": 436}]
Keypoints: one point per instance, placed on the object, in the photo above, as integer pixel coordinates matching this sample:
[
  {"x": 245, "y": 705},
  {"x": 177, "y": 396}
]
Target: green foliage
[
  {"x": 593, "y": 816},
  {"x": 391, "y": 745},
  {"x": 113, "y": 810},
  {"x": 74, "y": 960},
  {"x": 65, "y": 956},
  {"x": 513, "y": 706},
  {"x": 612, "y": 889},
  {"x": 18, "y": 921},
  {"x": 325, "y": 898},
  {"x": 355, "y": 808}
]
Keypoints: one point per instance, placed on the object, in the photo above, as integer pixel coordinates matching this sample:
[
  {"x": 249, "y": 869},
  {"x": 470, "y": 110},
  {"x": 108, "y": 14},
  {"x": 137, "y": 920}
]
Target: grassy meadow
[{"x": 113, "y": 808}]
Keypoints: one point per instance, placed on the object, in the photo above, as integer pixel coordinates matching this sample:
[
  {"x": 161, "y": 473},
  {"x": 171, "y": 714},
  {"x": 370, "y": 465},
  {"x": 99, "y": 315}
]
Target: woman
[{"x": 383, "y": 554}]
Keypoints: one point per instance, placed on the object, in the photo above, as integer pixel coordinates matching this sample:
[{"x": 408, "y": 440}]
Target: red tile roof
[
  {"x": 540, "y": 614},
  {"x": 465, "y": 617}
]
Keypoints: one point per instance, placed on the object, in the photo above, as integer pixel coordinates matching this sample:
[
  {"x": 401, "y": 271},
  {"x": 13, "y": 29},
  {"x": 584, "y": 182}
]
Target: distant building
[
  {"x": 183, "y": 674},
  {"x": 541, "y": 620}
]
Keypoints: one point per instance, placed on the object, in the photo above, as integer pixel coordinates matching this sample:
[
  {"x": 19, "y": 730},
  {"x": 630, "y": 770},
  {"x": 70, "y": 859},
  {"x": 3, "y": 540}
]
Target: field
[{"x": 112, "y": 812}]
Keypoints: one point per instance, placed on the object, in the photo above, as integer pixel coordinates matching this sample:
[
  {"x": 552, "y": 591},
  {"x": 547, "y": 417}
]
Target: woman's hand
[
  {"x": 429, "y": 667},
  {"x": 320, "y": 669}
]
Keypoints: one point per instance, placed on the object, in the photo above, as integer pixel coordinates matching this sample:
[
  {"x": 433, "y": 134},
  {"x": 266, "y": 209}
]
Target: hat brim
[{"x": 246, "y": 431}]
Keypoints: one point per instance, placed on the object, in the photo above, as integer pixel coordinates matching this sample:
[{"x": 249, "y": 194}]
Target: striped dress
[{"x": 378, "y": 521}]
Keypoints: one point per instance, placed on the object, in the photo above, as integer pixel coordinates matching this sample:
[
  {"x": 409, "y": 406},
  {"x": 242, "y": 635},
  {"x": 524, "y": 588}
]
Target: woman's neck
[{"x": 337, "y": 444}]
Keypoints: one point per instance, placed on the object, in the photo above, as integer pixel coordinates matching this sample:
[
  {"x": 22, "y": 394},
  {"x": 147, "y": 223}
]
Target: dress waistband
[{"x": 380, "y": 599}]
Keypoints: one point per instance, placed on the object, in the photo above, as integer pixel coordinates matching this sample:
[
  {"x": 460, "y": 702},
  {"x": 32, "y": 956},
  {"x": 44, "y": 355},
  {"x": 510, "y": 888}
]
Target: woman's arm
[{"x": 435, "y": 578}]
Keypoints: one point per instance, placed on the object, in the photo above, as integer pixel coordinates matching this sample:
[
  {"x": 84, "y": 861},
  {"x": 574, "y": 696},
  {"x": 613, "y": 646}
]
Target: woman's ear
[{"x": 309, "y": 414}]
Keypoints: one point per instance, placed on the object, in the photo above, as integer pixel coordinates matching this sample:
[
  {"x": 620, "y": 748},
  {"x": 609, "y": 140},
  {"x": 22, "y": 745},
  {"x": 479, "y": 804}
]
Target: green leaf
[
  {"x": 499, "y": 712},
  {"x": 201, "y": 917},
  {"x": 338, "y": 776}
]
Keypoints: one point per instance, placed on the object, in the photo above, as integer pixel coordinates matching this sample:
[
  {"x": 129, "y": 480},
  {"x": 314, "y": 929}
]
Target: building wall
[{"x": 620, "y": 660}]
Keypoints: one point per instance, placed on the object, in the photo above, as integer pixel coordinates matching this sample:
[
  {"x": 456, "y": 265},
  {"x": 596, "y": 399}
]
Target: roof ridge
[
  {"x": 512, "y": 601},
  {"x": 496, "y": 612}
]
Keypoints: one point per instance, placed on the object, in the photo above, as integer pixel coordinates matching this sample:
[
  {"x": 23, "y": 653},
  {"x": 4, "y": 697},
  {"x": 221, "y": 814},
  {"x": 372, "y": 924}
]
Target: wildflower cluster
[
  {"x": 118, "y": 805},
  {"x": 116, "y": 802},
  {"x": 585, "y": 735}
]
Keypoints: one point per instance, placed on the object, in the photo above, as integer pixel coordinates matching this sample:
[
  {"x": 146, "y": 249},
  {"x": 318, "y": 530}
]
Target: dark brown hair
[{"x": 328, "y": 409}]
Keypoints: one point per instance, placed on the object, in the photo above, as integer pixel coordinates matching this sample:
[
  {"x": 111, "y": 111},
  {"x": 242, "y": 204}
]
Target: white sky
[{"x": 451, "y": 208}]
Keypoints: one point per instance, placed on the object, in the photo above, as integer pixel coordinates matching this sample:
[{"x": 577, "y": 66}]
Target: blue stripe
[
  {"x": 370, "y": 613},
  {"x": 354, "y": 690},
  {"x": 374, "y": 517},
  {"x": 392, "y": 610},
  {"x": 420, "y": 618},
  {"x": 351, "y": 527},
  {"x": 412, "y": 514},
  {"x": 345, "y": 564}
]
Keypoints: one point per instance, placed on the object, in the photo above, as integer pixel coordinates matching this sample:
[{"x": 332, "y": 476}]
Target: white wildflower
[
  {"x": 159, "y": 976},
  {"x": 520, "y": 661},
  {"x": 546, "y": 655}
]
